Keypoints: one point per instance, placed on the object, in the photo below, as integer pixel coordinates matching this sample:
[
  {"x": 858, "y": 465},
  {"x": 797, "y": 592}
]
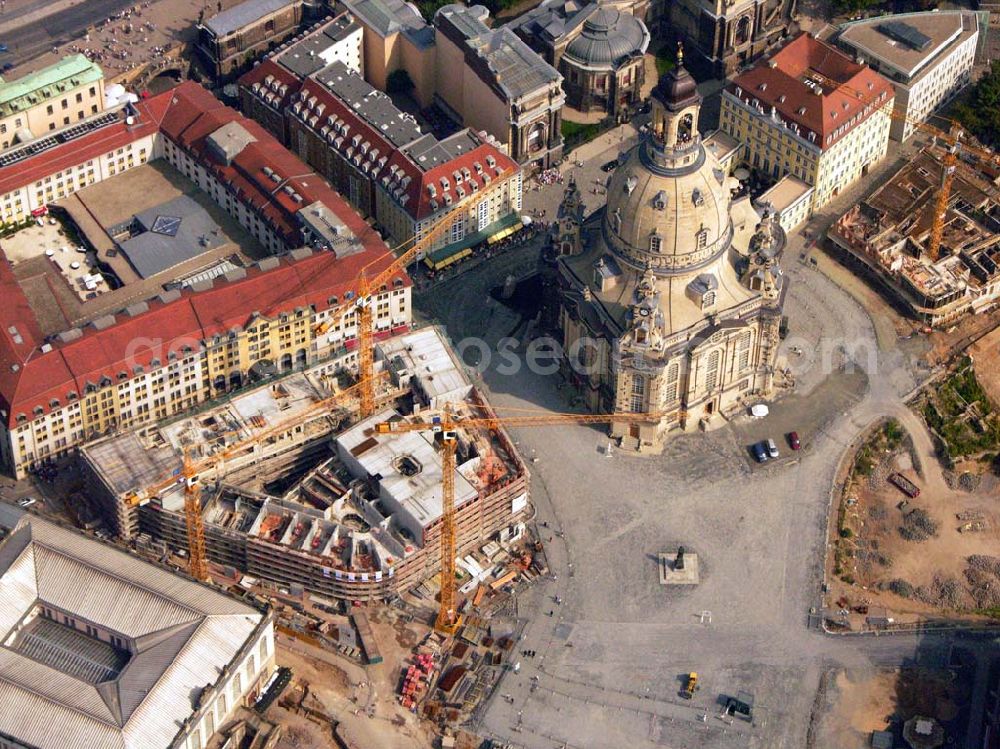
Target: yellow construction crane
[
  {"x": 952, "y": 139},
  {"x": 445, "y": 426},
  {"x": 190, "y": 470},
  {"x": 369, "y": 285},
  {"x": 364, "y": 389}
]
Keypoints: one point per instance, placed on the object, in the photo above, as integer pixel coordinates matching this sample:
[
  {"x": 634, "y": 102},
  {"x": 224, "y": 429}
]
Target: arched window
[
  {"x": 742, "y": 30},
  {"x": 743, "y": 348},
  {"x": 712, "y": 372},
  {"x": 638, "y": 401},
  {"x": 685, "y": 128},
  {"x": 670, "y": 388}
]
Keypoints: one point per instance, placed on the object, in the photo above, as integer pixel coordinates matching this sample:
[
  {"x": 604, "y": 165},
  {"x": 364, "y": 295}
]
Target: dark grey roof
[
  {"x": 170, "y": 234},
  {"x": 429, "y": 152},
  {"x": 240, "y": 15},
  {"x": 370, "y": 104},
  {"x": 608, "y": 37},
  {"x": 303, "y": 56},
  {"x": 392, "y": 16},
  {"x": 505, "y": 62}
]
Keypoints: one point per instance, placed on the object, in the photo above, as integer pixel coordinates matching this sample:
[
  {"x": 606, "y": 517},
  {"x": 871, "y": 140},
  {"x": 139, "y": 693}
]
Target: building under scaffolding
[
  {"x": 364, "y": 522},
  {"x": 888, "y": 233}
]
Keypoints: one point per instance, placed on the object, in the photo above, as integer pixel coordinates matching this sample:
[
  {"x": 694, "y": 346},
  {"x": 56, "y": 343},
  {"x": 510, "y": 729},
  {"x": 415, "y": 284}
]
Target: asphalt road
[
  {"x": 37, "y": 37},
  {"x": 612, "y": 654}
]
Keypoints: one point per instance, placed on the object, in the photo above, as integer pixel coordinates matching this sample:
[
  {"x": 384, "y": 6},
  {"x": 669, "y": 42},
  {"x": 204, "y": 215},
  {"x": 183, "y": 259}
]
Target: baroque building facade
[
  {"x": 669, "y": 297},
  {"x": 727, "y": 34}
]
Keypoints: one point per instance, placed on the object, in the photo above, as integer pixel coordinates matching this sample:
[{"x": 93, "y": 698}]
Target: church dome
[
  {"x": 676, "y": 89},
  {"x": 673, "y": 216},
  {"x": 607, "y": 37}
]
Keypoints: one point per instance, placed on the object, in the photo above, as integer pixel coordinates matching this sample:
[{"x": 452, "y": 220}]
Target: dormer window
[
  {"x": 708, "y": 300},
  {"x": 630, "y": 184},
  {"x": 702, "y": 238},
  {"x": 616, "y": 221},
  {"x": 696, "y": 197},
  {"x": 38, "y": 410},
  {"x": 660, "y": 201},
  {"x": 655, "y": 243}
]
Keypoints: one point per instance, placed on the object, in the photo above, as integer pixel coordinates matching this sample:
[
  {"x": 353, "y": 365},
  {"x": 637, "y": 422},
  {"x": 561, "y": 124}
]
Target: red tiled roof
[
  {"x": 201, "y": 114},
  {"x": 30, "y": 377},
  {"x": 282, "y": 76},
  {"x": 849, "y": 89},
  {"x": 89, "y": 146},
  {"x": 419, "y": 205}
]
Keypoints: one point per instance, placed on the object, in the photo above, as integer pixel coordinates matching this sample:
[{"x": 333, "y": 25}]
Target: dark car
[
  {"x": 793, "y": 441},
  {"x": 760, "y": 452},
  {"x": 8, "y": 66},
  {"x": 610, "y": 166}
]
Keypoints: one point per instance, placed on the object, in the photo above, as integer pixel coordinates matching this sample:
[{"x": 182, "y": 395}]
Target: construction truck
[
  {"x": 906, "y": 486},
  {"x": 690, "y": 686}
]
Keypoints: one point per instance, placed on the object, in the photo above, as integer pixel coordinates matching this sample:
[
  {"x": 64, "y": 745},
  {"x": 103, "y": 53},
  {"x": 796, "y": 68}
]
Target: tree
[
  {"x": 399, "y": 82},
  {"x": 980, "y": 112}
]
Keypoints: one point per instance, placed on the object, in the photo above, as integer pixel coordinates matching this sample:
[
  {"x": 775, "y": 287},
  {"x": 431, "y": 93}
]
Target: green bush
[
  {"x": 901, "y": 588},
  {"x": 846, "y": 533}
]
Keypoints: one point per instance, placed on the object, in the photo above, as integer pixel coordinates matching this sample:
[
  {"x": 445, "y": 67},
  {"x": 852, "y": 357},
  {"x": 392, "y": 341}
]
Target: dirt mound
[
  {"x": 944, "y": 592},
  {"x": 918, "y": 526},
  {"x": 983, "y": 574}
]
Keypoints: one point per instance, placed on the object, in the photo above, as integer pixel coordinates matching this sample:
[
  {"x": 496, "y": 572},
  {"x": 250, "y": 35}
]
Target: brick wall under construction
[{"x": 476, "y": 521}]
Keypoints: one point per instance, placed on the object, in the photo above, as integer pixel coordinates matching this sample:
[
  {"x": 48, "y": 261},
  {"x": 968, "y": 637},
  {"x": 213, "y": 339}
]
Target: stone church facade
[
  {"x": 724, "y": 35},
  {"x": 670, "y": 297}
]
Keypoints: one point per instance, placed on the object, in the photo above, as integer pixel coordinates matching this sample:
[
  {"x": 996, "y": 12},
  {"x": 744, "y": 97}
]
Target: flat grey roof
[
  {"x": 392, "y": 16},
  {"x": 429, "y": 152},
  {"x": 370, "y": 104},
  {"x": 179, "y": 634},
  {"x": 303, "y": 57},
  {"x": 943, "y": 29},
  {"x": 172, "y": 233},
  {"x": 240, "y": 15},
  {"x": 502, "y": 58}
]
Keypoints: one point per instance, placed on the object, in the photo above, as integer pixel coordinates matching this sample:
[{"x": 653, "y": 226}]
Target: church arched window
[
  {"x": 712, "y": 371},
  {"x": 670, "y": 388},
  {"x": 637, "y": 403},
  {"x": 702, "y": 238}
]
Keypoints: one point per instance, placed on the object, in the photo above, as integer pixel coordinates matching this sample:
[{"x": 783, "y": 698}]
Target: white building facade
[{"x": 927, "y": 57}]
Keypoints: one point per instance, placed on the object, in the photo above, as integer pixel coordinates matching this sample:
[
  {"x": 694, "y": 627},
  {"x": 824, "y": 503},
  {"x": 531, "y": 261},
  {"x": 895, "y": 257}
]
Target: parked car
[
  {"x": 26, "y": 501},
  {"x": 8, "y": 66},
  {"x": 610, "y": 166},
  {"x": 760, "y": 452},
  {"x": 793, "y": 441},
  {"x": 3, "y": 47},
  {"x": 772, "y": 449}
]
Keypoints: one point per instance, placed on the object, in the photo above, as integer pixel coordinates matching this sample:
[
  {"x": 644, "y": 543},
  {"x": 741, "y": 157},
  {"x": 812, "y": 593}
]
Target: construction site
[
  {"x": 940, "y": 270},
  {"x": 311, "y": 498}
]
